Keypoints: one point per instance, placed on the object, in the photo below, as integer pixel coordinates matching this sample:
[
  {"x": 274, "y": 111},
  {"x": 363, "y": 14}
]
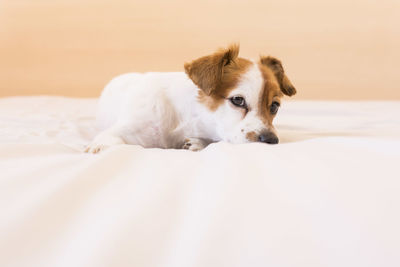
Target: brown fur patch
[
  {"x": 276, "y": 83},
  {"x": 217, "y": 74},
  {"x": 252, "y": 136},
  {"x": 276, "y": 67},
  {"x": 270, "y": 92}
]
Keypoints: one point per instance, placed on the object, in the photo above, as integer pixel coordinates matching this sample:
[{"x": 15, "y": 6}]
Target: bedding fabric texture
[{"x": 327, "y": 195}]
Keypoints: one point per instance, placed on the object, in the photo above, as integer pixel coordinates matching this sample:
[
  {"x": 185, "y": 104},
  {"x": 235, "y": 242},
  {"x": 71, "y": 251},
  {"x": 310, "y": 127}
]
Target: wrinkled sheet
[{"x": 327, "y": 195}]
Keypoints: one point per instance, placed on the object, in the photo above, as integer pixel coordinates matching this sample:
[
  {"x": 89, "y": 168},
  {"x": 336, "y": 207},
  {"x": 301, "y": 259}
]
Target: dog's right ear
[
  {"x": 276, "y": 66},
  {"x": 206, "y": 72}
]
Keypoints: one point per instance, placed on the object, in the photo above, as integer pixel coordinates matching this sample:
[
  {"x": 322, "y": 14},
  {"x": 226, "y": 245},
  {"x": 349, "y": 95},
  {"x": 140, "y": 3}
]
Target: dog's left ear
[
  {"x": 276, "y": 66},
  {"x": 206, "y": 72}
]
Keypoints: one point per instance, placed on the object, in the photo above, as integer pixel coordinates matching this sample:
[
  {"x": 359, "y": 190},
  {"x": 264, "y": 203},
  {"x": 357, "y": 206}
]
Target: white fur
[{"x": 162, "y": 110}]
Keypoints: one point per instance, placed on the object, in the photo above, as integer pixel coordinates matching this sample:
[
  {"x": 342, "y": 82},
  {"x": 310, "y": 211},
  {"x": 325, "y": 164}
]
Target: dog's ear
[
  {"x": 276, "y": 66},
  {"x": 206, "y": 72}
]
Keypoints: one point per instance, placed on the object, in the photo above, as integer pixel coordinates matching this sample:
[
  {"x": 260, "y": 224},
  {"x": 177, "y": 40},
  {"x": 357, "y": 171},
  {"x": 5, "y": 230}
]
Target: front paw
[
  {"x": 193, "y": 144},
  {"x": 95, "y": 148},
  {"x": 103, "y": 142}
]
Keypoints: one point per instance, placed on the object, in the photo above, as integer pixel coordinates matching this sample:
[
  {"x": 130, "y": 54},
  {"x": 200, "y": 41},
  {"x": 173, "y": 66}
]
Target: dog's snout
[{"x": 269, "y": 138}]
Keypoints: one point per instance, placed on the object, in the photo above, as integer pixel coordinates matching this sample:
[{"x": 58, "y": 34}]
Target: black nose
[{"x": 269, "y": 138}]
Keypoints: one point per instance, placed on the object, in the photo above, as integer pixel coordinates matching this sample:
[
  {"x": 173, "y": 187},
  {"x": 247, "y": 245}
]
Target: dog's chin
[{"x": 237, "y": 140}]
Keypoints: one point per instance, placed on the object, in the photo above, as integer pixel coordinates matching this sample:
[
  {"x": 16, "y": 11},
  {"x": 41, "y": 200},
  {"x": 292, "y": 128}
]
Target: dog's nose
[{"x": 269, "y": 138}]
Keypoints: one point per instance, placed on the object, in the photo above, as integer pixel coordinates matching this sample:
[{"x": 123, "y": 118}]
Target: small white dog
[{"x": 219, "y": 97}]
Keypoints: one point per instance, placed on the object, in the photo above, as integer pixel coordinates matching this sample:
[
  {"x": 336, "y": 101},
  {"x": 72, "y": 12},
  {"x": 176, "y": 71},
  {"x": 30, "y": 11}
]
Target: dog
[{"x": 219, "y": 97}]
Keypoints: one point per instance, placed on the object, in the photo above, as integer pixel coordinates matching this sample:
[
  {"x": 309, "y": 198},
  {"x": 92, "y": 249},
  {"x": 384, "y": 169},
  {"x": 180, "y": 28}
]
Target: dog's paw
[
  {"x": 193, "y": 144},
  {"x": 95, "y": 148},
  {"x": 102, "y": 142}
]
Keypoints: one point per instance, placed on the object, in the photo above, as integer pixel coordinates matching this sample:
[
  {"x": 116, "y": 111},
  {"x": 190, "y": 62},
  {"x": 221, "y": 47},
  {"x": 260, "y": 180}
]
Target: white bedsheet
[{"x": 328, "y": 195}]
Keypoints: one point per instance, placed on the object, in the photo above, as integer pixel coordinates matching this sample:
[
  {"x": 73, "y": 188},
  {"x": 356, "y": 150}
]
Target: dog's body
[
  {"x": 155, "y": 109},
  {"x": 220, "y": 97}
]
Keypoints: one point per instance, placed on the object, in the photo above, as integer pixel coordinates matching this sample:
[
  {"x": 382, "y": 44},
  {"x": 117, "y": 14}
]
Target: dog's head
[{"x": 243, "y": 95}]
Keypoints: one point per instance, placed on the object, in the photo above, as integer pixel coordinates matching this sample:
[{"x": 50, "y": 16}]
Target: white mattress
[{"x": 327, "y": 195}]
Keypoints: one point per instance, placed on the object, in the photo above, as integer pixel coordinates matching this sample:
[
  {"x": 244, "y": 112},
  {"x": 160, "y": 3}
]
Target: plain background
[{"x": 331, "y": 49}]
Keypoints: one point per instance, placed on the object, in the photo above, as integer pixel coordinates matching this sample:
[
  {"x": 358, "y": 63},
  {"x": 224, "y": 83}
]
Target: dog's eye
[
  {"x": 274, "y": 107},
  {"x": 238, "y": 101}
]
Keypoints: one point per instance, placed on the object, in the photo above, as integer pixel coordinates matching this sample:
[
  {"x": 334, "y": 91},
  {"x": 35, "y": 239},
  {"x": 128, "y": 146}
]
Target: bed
[{"x": 327, "y": 195}]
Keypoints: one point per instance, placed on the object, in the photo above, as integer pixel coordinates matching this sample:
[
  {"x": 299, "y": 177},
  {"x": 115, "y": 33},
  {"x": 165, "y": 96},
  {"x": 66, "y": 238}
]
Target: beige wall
[{"x": 331, "y": 49}]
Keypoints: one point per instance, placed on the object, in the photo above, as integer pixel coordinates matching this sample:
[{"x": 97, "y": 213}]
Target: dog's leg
[
  {"x": 195, "y": 144},
  {"x": 105, "y": 139}
]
